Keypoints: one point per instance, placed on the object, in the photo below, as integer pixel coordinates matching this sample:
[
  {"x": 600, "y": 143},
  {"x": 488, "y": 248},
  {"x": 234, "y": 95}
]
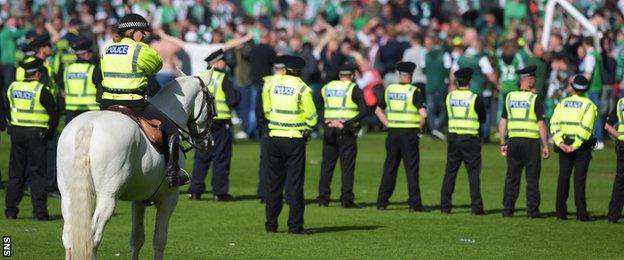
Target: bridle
[{"x": 200, "y": 140}]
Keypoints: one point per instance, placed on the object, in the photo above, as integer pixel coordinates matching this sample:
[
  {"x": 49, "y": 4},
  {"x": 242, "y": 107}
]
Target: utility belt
[
  {"x": 305, "y": 134},
  {"x": 139, "y": 91},
  {"x": 462, "y": 136},
  {"x": 587, "y": 145}
]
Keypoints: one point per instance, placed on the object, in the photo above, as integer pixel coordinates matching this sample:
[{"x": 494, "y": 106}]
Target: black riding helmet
[{"x": 133, "y": 21}]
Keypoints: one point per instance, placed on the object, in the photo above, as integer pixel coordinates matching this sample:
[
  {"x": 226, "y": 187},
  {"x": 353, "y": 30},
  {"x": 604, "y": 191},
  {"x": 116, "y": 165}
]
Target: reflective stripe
[
  {"x": 401, "y": 122},
  {"x": 80, "y": 95},
  {"x": 524, "y": 130},
  {"x": 464, "y": 118},
  {"x": 122, "y": 75},
  {"x": 31, "y": 111},
  {"x": 287, "y": 112},
  {"x": 341, "y": 109},
  {"x": 576, "y": 124},
  {"x": 135, "y": 58},
  {"x": 287, "y": 124},
  {"x": 463, "y": 128},
  {"x": 25, "y": 121}
]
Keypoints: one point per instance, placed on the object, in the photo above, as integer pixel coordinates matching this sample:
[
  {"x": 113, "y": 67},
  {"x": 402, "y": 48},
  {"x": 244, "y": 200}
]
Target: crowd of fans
[{"x": 373, "y": 34}]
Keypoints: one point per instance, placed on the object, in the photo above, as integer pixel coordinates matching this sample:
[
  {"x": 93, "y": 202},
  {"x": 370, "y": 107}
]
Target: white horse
[{"x": 103, "y": 156}]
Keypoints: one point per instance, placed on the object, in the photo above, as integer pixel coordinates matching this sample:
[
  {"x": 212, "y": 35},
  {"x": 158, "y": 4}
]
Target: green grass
[{"x": 206, "y": 229}]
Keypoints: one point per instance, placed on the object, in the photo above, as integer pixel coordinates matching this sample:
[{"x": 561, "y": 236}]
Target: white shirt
[
  {"x": 588, "y": 63},
  {"x": 198, "y": 52}
]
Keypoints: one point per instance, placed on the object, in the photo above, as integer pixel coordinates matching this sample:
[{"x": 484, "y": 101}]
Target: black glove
[{"x": 306, "y": 135}]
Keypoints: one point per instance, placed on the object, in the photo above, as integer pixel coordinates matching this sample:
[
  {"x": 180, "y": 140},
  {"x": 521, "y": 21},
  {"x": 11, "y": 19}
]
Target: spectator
[{"x": 436, "y": 79}]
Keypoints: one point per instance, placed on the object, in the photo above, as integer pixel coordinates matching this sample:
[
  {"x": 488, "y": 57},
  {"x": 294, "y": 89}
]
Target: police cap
[
  {"x": 32, "y": 65},
  {"x": 406, "y": 67},
  {"x": 463, "y": 74},
  {"x": 527, "y": 71},
  {"x": 81, "y": 45},
  {"x": 215, "y": 56},
  {"x": 278, "y": 62},
  {"x": 347, "y": 68},
  {"x": 40, "y": 40},
  {"x": 294, "y": 62},
  {"x": 25, "y": 48},
  {"x": 133, "y": 21},
  {"x": 580, "y": 83}
]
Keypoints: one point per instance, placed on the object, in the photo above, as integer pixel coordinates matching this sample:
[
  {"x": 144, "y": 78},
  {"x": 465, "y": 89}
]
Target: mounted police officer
[
  {"x": 572, "y": 125},
  {"x": 405, "y": 116},
  {"x": 81, "y": 81},
  {"x": 291, "y": 115},
  {"x": 343, "y": 107},
  {"x": 33, "y": 117},
  {"x": 126, "y": 66},
  {"x": 466, "y": 114},
  {"x": 226, "y": 98},
  {"x": 522, "y": 126}
]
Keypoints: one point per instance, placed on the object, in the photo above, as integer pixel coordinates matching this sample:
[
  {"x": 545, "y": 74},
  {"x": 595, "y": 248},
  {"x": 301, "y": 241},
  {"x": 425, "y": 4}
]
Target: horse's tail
[{"x": 82, "y": 191}]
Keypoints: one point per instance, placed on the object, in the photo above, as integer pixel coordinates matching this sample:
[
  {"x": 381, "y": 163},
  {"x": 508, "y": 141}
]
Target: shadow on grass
[{"x": 344, "y": 228}]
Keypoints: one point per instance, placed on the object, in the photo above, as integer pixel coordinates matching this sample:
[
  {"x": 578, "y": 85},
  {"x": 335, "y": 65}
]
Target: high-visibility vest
[
  {"x": 400, "y": 108},
  {"x": 80, "y": 91},
  {"x": 25, "y": 106},
  {"x": 122, "y": 80},
  {"x": 574, "y": 119},
  {"x": 460, "y": 108},
  {"x": 521, "y": 118},
  {"x": 338, "y": 102},
  {"x": 215, "y": 86},
  {"x": 620, "y": 115},
  {"x": 20, "y": 75},
  {"x": 286, "y": 112}
]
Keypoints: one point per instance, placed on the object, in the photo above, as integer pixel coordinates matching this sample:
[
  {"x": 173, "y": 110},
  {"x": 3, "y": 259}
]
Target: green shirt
[
  {"x": 434, "y": 70},
  {"x": 596, "y": 80},
  {"x": 477, "y": 83},
  {"x": 540, "y": 75},
  {"x": 508, "y": 77},
  {"x": 8, "y": 43}
]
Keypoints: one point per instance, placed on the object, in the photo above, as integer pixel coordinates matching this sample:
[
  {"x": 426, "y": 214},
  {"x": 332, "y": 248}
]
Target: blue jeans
[
  {"x": 598, "y": 132},
  {"x": 435, "y": 110},
  {"x": 249, "y": 115},
  {"x": 164, "y": 78}
]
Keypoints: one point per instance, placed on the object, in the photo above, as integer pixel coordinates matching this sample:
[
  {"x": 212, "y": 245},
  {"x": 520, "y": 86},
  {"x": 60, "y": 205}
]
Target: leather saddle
[{"x": 150, "y": 127}]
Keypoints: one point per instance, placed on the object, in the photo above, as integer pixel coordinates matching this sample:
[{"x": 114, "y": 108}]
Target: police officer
[
  {"x": 42, "y": 48},
  {"x": 33, "y": 116},
  {"x": 522, "y": 126},
  {"x": 279, "y": 68},
  {"x": 615, "y": 127},
  {"x": 81, "y": 80},
  {"x": 572, "y": 124},
  {"x": 343, "y": 107},
  {"x": 226, "y": 98},
  {"x": 405, "y": 116},
  {"x": 126, "y": 66},
  {"x": 291, "y": 115},
  {"x": 466, "y": 112}
]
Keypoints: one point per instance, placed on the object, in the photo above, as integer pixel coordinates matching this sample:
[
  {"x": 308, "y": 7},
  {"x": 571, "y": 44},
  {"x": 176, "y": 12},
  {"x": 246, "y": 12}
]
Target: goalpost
[{"x": 570, "y": 9}]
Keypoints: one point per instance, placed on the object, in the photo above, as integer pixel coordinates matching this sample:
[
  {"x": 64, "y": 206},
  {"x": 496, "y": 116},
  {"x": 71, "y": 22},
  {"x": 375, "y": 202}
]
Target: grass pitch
[{"x": 208, "y": 230}]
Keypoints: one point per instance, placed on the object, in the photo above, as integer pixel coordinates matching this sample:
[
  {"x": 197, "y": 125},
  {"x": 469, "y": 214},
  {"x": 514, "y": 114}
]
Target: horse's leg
[
  {"x": 65, "y": 210},
  {"x": 164, "y": 209},
  {"x": 104, "y": 209},
  {"x": 138, "y": 229}
]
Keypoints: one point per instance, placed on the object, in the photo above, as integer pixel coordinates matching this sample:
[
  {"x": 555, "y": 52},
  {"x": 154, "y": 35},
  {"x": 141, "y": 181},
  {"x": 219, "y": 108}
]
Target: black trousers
[
  {"x": 579, "y": 162},
  {"x": 338, "y": 145},
  {"x": 28, "y": 162},
  {"x": 286, "y": 158},
  {"x": 522, "y": 153},
  {"x": 400, "y": 144},
  {"x": 220, "y": 157},
  {"x": 466, "y": 149},
  {"x": 264, "y": 165},
  {"x": 617, "y": 196}
]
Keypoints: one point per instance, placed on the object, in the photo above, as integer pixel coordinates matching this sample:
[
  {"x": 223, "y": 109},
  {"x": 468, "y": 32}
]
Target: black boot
[{"x": 175, "y": 176}]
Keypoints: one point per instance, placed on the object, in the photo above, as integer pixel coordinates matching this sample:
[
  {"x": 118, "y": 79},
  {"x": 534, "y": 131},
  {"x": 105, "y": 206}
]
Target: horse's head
[{"x": 200, "y": 121}]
